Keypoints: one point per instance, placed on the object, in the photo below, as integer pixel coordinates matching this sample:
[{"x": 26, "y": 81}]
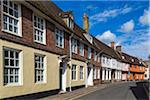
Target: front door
[
  {"x": 89, "y": 76},
  {"x": 62, "y": 77}
]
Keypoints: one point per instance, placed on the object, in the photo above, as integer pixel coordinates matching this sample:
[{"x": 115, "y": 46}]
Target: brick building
[{"x": 43, "y": 49}]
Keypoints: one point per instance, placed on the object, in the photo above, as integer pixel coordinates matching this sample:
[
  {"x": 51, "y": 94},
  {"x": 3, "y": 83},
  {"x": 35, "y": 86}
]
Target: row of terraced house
[{"x": 43, "y": 49}]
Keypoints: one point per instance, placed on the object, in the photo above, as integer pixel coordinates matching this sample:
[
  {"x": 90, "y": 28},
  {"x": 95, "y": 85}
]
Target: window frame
[
  {"x": 89, "y": 53},
  {"x": 74, "y": 71},
  {"x": 44, "y": 29},
  {"x": 95, "y": 56},
  {"x": 19, "y": 67},
  {"x": 74, "y": 45},
  {"x": 82, "y": 73},
  {"x": 19, "y": 26},
  {"x": 40, "y": 69},
  {"x": 59, "y": 37},
  {"x": 81, "y": 49}
]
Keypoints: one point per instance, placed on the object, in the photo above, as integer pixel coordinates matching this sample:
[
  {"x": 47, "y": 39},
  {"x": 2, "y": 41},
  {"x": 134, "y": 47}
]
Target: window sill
[
  {"x": 40, "y": 42},
  {"x": 38, "y": 83},
  {"x": 12, "y": 33},
  {"x": 13, "y": 84},
  {"x": 59, "y": 47},
  {"x": 74, "y": 80}
]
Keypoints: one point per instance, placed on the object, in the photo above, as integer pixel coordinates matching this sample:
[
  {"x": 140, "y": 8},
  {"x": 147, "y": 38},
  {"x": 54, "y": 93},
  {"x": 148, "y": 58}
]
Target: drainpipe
[{"x": 70, "y": 53}]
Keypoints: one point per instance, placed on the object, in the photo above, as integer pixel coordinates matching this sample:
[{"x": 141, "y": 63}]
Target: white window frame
[
  {"x": 94, "y": 72},
  {"x": 74, "y": 45},
  {"x": 19, "y": 25},
  {"x": 13, "y": 74},
  {"x": 81, "y": 73},
  {"x": 41, "y": 30},
  {"x": 74, "y": 71},
  {"x": 81, "y": 49},
  {"x": 40, "y": 69},
  {"x": 70, "y": 23},
  {"x": 59, "y": 33},
  {"x": 89, "y": 53},
  {"x": 95, "y": 56}
]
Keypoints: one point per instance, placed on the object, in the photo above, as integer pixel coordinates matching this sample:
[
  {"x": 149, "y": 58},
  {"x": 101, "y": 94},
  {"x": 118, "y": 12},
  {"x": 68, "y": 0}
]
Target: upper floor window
[
  {"x": 39, "y": 68},
  {"x": 103, "y": 59},
  {"x": 74, "y": 45},
  {"x": 95, "y": 56},
  {"x": 39, "y": 30},
  {"x": 70, "y": 23},
  {"x": 11, "y": 13},
  {"x": 98, "y": 58},
  {"x": 94, "y": 72},
  {"x": 59, "y": 38},
  {"x": 11, "y": 66},
  {"x": 81, "y": 49},
  {"x": 89, "y": 53}
]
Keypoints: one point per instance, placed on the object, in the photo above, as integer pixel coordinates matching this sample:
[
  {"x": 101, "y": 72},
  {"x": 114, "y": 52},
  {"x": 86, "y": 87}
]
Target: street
[{"x": 125, "y": 91}]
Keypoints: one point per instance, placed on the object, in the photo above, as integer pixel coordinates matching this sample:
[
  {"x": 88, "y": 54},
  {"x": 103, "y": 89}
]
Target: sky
[{"x": 124, "y": 22}]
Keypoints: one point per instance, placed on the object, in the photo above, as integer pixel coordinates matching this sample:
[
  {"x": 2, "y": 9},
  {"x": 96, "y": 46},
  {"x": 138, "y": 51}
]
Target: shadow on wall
[{"x": 141, "y": 90}]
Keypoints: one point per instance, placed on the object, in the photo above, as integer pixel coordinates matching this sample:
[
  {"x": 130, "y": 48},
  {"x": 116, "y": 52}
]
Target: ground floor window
[
  {"x": 11, "y": 66},
  {"x": 81, "y": 72},
  {"x": 73, "y": 70},
  {"x": 39, "y": 68}
]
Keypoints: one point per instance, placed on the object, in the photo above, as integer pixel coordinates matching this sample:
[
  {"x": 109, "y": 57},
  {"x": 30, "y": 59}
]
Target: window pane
[
  {"x": 15, "y": 7},
  {"x": 6, "y": 62},
  {"x": 11, "y": 54},
  {"x": 10, "y": 27},
  {"x": 11, "y": 62},
  {"x": 10, "y": 11},
  {"x": 6, "y": 53},
  {"x": 5, "y": 2},
  {"x": 5, "y": 9}
]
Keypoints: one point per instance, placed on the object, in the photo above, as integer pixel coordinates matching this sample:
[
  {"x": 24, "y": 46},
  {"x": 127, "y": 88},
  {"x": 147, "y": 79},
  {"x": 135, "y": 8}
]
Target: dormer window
[
  {"x": 132, "y": 60},
  {"x": 68, "y": 19},
  {"x": 70, "y": 23}
]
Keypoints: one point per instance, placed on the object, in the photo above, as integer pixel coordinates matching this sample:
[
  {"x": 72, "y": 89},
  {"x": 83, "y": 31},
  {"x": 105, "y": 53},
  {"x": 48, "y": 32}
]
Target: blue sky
[{"x": 125, "y": 22}]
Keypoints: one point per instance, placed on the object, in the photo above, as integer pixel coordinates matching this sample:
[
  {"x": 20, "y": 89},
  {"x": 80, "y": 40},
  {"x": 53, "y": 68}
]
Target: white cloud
[
  {"x": 127, "y": 27},
  {"x": 136, "y": 43},
  {"x": 106, "y": 37},
  {"x": 144, "y": 19},
  {"x": 106, "y": 14}
]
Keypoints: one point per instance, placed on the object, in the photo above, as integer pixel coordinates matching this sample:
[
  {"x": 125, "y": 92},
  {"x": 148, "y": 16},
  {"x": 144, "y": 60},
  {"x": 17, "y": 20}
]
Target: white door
[{"x": 89, "y": 76}]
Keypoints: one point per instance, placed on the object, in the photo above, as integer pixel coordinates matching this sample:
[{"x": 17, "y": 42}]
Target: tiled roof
[
  {"x": 49, "y": 9},
  {"x": 105, "y": 48},
  {"x": 53, "y": 11}
]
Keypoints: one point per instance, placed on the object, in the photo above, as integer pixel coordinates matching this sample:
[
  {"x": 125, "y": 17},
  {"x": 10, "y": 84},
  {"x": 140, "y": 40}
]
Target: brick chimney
[
  {"x": 112, "y": 45},
  {"x": 86, "y": 22},
  {"x": 118, "y": 48}
]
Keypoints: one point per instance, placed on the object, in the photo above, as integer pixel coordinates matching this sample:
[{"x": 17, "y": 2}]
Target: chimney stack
[
  {"x": 118, "y": 48},
  {"x": 86, "y": 22},
  {"x": 112, "y": 45}
]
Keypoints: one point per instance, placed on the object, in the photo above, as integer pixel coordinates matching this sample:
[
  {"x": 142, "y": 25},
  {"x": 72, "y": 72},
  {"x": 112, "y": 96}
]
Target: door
[{"x": 62, "y": 77}]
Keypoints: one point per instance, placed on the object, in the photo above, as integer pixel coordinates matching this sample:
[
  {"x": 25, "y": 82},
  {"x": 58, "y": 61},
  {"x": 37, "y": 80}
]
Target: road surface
[{"x": 125, "y": 91}]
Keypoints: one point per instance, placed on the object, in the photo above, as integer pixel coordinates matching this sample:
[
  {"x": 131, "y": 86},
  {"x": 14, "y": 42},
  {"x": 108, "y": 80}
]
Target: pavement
[
  {"x": 80, "y": 92},
  {"x": 123, "y": 91}
]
